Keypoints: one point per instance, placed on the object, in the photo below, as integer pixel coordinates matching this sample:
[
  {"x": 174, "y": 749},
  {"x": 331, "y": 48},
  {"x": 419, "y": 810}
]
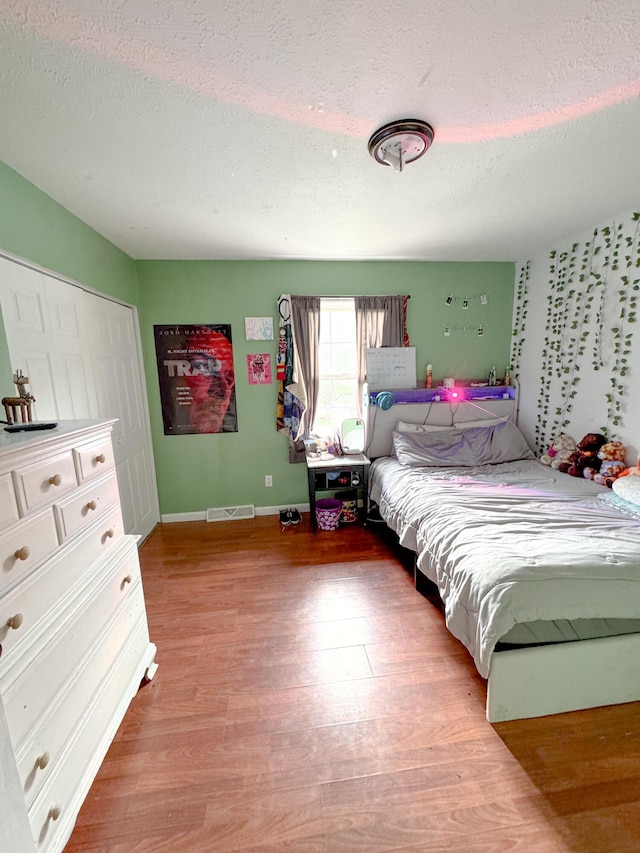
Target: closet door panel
[
  {"x": 80, "y": 352},
  {"x": 40, "y": 369},
  {"x": 49, "y": 341},
  {"x": 26, "y": 320},
  {"x": 120, "y": 395},
  {"x": 75, "y": 389},
  {"x": 28, "y": 311}
]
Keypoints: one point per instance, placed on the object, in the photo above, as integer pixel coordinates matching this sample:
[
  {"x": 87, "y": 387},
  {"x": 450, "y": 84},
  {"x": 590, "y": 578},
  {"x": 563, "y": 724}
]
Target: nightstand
[{"x": 334, "y": 474}]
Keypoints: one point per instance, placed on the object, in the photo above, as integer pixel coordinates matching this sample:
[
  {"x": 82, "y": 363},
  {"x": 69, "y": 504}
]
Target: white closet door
[
  {"x": 73, "y": 378},
  {"x": 26, "y": 321},
  {"x": 80, "y": 353},
  {"x": 114, "y": 351}
]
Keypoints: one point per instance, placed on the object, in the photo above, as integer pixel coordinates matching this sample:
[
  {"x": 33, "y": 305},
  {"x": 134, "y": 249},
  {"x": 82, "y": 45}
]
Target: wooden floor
[{"x": 309, "y": 700}]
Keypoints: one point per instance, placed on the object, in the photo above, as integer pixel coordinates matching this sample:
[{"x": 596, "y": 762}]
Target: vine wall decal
[
  {"x": 591, "y": 307},
  {"x": 520, "y": 318}
]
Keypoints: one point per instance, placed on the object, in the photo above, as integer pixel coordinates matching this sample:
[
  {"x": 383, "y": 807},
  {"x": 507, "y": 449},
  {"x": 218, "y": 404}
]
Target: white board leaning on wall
[{"x": 391, "y": 367}]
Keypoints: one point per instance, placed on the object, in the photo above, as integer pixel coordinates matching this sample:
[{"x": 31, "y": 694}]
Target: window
[{"x": 337, "y": 398}]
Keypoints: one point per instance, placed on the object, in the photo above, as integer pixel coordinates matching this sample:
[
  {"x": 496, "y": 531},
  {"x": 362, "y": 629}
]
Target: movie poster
[{"x": 197, "y": 381}]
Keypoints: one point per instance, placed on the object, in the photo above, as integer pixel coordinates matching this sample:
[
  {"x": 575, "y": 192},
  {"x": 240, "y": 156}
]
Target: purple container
[{"x": 328, "y": 512}]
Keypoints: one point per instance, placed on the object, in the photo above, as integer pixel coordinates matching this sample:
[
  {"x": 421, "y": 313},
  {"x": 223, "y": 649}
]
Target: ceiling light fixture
[{"x": 401, "y": 142}]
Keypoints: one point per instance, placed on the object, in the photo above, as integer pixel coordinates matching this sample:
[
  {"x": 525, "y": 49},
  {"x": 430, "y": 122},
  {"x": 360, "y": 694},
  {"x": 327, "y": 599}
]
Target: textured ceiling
[{"x": 238, "y": 128}]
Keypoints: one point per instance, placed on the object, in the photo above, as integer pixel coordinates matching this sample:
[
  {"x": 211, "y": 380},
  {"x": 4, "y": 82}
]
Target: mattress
[{"x": 520, "y": 553}]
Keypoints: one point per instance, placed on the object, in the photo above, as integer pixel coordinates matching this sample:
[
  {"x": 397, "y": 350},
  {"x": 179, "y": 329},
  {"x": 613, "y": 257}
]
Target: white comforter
[{"x": 511, "y": 543}]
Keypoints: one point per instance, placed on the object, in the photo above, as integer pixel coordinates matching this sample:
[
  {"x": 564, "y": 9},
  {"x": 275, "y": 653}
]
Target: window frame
[{"x": 336, "y": 305}]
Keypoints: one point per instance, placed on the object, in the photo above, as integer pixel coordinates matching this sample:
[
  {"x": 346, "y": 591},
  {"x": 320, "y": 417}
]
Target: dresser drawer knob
[
  {"x": 22, "y": 553},
  {"x": 42, "y": 761},
  {"x": 101, "y": 459},
  {"x": 55, "y": 480},
  {"x": 15, "y": 621},
  {"x": 126, "y": 579},
  {"x": 109, "y": 533},
  {"x": 92, "y": 505},
  {"x": 54, "y": 812}
]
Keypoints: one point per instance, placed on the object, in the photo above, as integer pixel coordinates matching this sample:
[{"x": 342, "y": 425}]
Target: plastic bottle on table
[
  {"x": 492, "y": 376},
  {"x": 428, "y": 382}
]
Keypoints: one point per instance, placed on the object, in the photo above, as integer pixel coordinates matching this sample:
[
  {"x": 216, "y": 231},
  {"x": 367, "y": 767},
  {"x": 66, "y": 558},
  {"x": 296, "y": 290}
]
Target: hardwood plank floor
[{"x": 309, "y": 700}]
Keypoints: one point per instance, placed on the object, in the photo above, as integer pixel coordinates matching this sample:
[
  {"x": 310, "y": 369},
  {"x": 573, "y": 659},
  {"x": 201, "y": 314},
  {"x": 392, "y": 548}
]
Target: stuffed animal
[
  {"x": 631, "y": 472},
  {"x": 584, "y": 456},
  {"x": 612, "y": 456},
  {"x": 559, "y": 450}
]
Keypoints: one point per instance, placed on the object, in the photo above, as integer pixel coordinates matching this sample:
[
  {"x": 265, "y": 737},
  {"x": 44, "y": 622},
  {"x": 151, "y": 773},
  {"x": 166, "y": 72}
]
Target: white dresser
[{"x": 73, "y": 629}]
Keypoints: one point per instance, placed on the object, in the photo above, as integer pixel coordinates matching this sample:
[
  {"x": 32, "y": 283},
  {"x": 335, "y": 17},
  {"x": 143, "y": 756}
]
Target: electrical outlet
[{"x": 268, "y": 480}]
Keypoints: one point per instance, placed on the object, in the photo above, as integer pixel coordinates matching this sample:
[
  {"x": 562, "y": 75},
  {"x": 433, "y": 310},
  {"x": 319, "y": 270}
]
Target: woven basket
[{"x": 328, "y": 511}]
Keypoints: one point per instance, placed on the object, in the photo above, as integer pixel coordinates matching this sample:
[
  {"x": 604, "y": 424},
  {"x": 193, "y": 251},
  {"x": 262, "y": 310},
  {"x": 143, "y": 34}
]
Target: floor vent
[{"x": 229, "y": 513}]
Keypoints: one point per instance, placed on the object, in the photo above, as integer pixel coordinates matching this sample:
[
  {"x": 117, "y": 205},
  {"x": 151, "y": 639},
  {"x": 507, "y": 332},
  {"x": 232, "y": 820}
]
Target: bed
[{"x": 538, "y": 572}]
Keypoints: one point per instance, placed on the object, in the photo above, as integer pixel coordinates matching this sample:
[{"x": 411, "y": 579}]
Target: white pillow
[
  {"x": 628, "y": 488},
  {"x": 401, "y": 426},
  {"x": 485, "y": 423}
]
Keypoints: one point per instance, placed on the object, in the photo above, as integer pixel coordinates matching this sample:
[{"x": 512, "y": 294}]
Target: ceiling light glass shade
[{"x": 401, "y": 142}]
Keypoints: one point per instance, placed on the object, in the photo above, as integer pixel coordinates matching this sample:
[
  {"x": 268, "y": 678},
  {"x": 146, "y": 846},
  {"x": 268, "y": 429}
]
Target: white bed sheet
[{"x": 511, "y": 543}]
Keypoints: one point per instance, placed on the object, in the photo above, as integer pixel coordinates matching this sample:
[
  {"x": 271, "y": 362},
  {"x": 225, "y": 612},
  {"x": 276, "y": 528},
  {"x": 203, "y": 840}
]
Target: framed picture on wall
[
  {"x": 197, "y": 379},
  {"x": 258, "y": 328},
  {"x": 259, "y": 368}
]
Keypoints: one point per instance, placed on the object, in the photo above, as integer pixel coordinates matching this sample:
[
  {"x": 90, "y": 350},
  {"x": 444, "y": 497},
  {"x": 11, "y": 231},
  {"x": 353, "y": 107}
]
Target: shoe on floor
[
  {"x": 294, "y": 516},
  {"x": 285, "y": 519}
]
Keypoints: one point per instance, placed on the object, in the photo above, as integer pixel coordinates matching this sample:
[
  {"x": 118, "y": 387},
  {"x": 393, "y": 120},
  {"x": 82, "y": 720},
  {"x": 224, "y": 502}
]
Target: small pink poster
[{"x": 259, "y": 368}]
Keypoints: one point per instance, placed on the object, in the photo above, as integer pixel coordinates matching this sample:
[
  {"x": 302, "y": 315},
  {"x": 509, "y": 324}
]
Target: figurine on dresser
[{"x": 18, "y": 409}]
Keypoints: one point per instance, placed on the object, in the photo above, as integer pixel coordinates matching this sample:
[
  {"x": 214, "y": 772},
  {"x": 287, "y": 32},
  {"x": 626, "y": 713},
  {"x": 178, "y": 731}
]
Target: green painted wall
[
  {"x": 35, "y": 227},
  {"x": 195, "y": 472},
  {"x": 199, "y": 471}
]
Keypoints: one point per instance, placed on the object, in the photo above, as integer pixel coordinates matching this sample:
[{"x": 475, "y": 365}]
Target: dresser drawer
[
  {"x": 83, "y": 506},
  {"x": 71, "y": 778},
  {"x": 103, "y": 536},
  {"x": 46, "y": 590},
  {"x": 94, "y": 459},
  {"x": 44, "y": 747},
  {"x": 24, "y": 546},
  {"x": 28, "y": 691},
  {"x": 8, "y": 507},
  {"x": 43, "y": 482}
]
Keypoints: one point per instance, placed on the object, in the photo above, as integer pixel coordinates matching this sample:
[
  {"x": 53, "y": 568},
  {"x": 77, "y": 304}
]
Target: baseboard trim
[
  {"x": 173, "y": 517},
  {"x": 168, "y": 518}
]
